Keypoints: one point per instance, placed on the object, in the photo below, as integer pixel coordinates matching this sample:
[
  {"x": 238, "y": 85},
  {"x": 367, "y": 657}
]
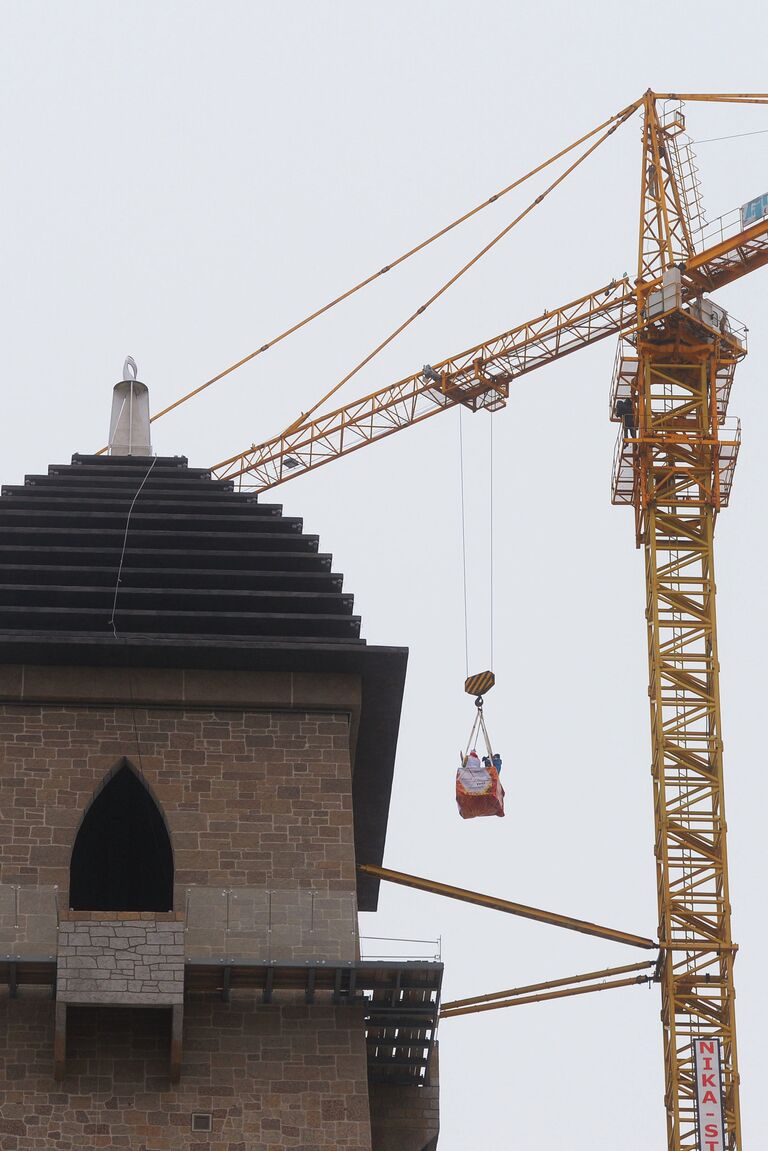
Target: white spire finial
[{"x": 129, "y": 425}]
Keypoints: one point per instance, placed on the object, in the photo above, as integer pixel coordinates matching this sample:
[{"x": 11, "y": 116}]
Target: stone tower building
[{"x": 196, "y": 749}]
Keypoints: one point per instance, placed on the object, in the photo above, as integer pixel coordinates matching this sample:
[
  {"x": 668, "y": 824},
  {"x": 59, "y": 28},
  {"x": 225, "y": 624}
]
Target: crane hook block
[{"x": 479, "y": 684}]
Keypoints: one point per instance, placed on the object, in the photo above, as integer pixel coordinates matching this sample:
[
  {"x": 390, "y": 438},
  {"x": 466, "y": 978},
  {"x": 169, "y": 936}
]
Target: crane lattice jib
[
  {"x": 477, "y": 378},
  {"x": 480, "y": 376}
]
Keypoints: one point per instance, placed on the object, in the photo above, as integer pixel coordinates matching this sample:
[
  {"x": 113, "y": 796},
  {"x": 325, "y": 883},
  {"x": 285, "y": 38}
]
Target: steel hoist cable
[
  {"x": 611, "y": 124},
  {"x": 614, "y": 124},
  {"x": 462, "y": 487},
  {"x": 490, "y": 541},
  {"x": 463, "y": 541}
]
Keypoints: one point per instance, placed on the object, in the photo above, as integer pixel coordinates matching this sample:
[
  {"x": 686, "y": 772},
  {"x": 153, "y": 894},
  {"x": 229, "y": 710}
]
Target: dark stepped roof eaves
[
  {"x": 73, "y": 619},
  {"x": 163, "y": 500},
  {"x": 201, "y": 560},
  {"x": 178, "y": 543},
  {"x": 133, "y": 465},
  {"x": 242, "y": 561},
  {"x": 185, "y": 599},
  {"x": 114, "y": 519},
  {"x": 223, "y": 580},
  {"x": 126, "y": 485}
]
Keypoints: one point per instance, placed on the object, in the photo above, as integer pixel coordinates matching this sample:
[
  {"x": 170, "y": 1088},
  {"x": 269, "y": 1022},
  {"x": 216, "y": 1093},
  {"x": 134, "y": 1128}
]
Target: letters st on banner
[{"x": 709, "y": 1094}]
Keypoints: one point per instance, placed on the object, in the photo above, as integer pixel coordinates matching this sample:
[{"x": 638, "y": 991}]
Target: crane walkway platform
[{"x": 624, "y": 482}]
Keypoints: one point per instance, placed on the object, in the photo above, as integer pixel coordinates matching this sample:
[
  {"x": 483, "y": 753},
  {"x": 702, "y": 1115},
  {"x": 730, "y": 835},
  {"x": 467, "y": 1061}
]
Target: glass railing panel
[
  {"x": 205, "y": 923},
  {"x": 248, "y": 937},
  {"x": 28, "y": 921},
  {"x": 270, "y": 924}
]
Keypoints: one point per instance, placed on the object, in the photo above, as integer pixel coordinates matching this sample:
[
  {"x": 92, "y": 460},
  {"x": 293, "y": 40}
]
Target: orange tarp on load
[{"x": 478, "y": 789}]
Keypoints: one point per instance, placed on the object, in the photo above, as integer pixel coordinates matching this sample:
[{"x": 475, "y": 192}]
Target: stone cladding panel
[{"x": 128, "y": 958}]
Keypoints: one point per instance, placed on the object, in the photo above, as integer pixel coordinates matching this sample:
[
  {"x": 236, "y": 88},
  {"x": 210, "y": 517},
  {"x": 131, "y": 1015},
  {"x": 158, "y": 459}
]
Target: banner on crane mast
[
  {"x": 754, "y": 210},
  {"x": 709, "y": 1094}
]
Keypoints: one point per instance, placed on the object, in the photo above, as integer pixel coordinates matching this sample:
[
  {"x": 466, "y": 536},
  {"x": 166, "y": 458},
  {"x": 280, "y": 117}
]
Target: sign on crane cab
[
  {"x": 754, "y": 210},
  {"x": 709, "y": 1094}
]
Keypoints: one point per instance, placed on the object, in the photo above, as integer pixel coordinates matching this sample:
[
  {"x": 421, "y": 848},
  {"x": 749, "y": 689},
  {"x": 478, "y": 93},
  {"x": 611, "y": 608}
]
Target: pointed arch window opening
[{"x": 122, "y": 859}]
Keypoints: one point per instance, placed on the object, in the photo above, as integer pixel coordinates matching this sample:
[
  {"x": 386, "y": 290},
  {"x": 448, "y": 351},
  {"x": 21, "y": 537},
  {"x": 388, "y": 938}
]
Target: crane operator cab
[{"x": 478, "y": 787}]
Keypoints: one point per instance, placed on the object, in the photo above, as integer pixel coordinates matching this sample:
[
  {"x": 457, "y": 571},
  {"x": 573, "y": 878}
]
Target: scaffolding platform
[
  {"x": 624, "y": 383},
  {"x": 623, "y": 474},
  {"x": 624, "y": 482}
]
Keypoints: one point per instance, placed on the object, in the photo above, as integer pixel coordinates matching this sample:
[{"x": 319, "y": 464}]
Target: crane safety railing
[
  {"x": 623, "y": 474},
  {"x": 683, "y": 162},
  {"x": 624, "y": 375},
  {"x": 389, "y": 948},
  {"x": 722, "y": 228},
  {"x": 624, "y": 481},
  {"x": 727, "y": 454}
]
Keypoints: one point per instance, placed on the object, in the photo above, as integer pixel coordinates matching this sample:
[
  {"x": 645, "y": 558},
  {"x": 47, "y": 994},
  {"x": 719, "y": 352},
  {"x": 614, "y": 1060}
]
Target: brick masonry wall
[
  {"x": 271, "y": 1078},
  {"x": 259, "y": 799},
  {"x": 123, "y": 959}
]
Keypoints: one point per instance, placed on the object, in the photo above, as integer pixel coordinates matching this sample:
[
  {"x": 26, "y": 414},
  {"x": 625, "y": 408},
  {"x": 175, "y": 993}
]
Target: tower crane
[{"x": 674, "y": 464}]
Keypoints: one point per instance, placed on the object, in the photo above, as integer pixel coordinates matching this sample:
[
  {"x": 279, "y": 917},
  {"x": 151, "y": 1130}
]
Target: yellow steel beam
[
  {"x": 495, "y": 904},
  {"x": 728, "y": 246},
  {"x": 513, "y": 992},
  {"x": 714, "y": 97},
  {"x": 543, "y": 996}
]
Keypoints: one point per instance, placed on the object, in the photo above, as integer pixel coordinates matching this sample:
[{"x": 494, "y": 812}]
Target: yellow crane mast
[
  {"x": 683, "y": 475},
  {"x": 674, "y": 465},
  {"x": 677, "y": 374}
]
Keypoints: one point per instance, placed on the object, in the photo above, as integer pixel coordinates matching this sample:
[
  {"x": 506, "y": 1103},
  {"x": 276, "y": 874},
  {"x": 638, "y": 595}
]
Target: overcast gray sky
[{"x": 181, "y": 181}]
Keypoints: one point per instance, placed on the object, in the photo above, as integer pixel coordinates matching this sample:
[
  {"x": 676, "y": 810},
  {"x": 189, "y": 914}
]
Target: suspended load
[{"x": 478, "y": 787}]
